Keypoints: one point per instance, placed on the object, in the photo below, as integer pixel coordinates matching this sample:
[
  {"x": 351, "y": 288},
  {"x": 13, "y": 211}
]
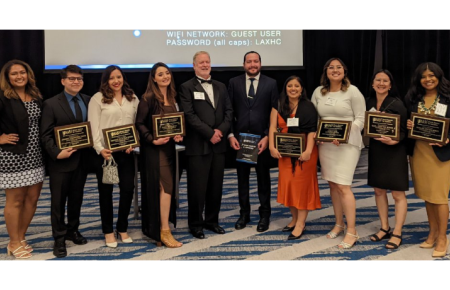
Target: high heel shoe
[
  {"x": 386, "y": 235},
  {"x": 111, "y": 244},
  {"x": 288, "y": 228},
  {"x": 23, "y": 254},
  {"x": 168, "y": 240},
  {"x": 26, "y": 246},
  {"x": 292, "y": 237},
  {"x": 394, "y": 246},
  {"x": 425, "y": 245},
  {"x": 128, "y": 240},
  {"x": 333, "y": 235},
  {"x": 438, "y": 254},
  {"x": 344, "y": 245}
]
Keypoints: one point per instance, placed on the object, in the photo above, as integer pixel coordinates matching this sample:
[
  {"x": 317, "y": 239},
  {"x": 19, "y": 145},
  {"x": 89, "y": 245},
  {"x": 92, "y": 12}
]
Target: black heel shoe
[
  {"x": 292, "y": 237},
  {"x": 394, "y": 246},
  {"x": 288, "y": 229},
  {"x": 387, "y": 235}
]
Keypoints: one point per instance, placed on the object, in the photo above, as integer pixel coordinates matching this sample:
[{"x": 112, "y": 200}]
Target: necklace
[{"x": 425, "y": 110}]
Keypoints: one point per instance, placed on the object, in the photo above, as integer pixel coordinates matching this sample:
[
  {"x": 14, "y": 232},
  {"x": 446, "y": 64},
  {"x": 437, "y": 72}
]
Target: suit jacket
[
  {"x": 202, "y": 118},
  {"x": 56, "y": 112},
  {"x": 14, "y": 119},
  {"x": 442, "y": 153},
  {"x": 252, "y": 117}
]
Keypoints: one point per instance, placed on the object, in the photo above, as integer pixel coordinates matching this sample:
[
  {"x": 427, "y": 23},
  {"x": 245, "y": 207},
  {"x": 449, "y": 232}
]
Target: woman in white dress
[{"x": 337, "y": 99}]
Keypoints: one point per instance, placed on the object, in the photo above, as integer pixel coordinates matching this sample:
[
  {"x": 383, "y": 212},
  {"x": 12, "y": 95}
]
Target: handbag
[{"x": 110, "y": 172}]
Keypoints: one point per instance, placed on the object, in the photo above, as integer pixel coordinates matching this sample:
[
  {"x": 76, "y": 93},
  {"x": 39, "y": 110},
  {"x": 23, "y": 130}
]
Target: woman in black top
[
  {"x": 388, "y": 164},
  {"x": 158, "y": 158},
  {"x": 21, "y": 167}
]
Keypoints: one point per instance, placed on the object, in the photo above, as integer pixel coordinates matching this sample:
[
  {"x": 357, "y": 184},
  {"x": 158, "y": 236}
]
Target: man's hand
[
  {"x": 234, "y": 143},
  {"x": 217, "y": 137},
  {"x": 262, "y": 144}
]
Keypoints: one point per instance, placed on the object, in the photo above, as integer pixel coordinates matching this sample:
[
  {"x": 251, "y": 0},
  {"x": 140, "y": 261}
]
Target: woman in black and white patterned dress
[{"x": 21, "y": 167}]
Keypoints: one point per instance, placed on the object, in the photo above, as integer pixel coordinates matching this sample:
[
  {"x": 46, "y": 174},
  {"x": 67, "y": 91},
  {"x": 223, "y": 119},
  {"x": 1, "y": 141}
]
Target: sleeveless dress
[
  {"x": 19, "y": 170},
  {"x": 299, "y": 189},
  {"x": 431, "y": 177}
]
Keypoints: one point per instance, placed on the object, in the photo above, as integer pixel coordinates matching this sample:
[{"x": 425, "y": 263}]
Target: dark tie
[
  {"x": 78, "y": 113},
  {"x": 251, "y": 91},
  {"x": 204, "y": 81}
]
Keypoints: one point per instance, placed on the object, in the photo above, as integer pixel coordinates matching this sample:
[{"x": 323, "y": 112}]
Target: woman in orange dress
[{"x": 297, "y": 180}]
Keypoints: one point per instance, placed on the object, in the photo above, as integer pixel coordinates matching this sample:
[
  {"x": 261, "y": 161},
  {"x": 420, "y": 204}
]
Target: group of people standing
[{"x": 215, "y": 117}]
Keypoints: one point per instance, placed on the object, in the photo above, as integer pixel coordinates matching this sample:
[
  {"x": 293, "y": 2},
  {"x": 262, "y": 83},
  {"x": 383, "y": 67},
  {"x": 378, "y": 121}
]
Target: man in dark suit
[
  {"x": 208, "y": 114},
  {"x": 252, "y": 96},
  {"x": 68, "y": 167}
]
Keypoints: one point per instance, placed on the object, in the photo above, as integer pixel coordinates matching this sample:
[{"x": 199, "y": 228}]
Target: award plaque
[
  {"x": 249, "y": 148},
  {"x": 121, "y": 137},
  {"x": 429, "y": 128},
  {"x": 168, "y": 125},
  {"x": 74, "y": 136},
  {"x": 289, "y": 144},
  {"x": 377, "y": 124},
  {"x": 329, "y": 130}
]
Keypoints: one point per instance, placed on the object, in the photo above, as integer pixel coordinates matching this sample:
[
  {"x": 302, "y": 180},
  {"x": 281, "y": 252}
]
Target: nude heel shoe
[
  {"x": 128, "y": 240},
  {"x": 26, "y": 246},
  {"x": 344, "y": 245},
  {"x": 333, "y": 235},
  {"x": 23, "y": 254},
  {"x": 168, "y": 240},
  {"x": 438, "y": 254}
]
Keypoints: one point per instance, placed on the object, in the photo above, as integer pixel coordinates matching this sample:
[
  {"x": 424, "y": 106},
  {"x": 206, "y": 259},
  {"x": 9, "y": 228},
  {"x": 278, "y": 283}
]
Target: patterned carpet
[{"x": 246, "y": 244}]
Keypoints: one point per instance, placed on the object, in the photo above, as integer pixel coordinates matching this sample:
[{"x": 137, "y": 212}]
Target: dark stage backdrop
[{"x": 398, "y": 51}]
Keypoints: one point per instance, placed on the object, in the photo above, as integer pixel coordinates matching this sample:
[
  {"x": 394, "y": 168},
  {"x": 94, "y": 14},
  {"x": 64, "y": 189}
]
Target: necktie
[
  {"x": 78, "y": 113},
  {"x": 204, "y": 81},
  {"x": 251, "y": 91}
]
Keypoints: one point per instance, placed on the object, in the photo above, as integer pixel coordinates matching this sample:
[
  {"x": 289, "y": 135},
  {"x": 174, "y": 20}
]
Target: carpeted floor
[{"x": 246, "y": 244}]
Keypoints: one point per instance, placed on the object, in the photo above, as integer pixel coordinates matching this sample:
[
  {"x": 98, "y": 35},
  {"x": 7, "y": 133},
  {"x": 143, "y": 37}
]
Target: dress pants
[
  {"x": 264, "y": 188},
  {"x": 125, "y": 163},
  {"x": 205, "y": 182},
  {"x": 66, "y": 186}
]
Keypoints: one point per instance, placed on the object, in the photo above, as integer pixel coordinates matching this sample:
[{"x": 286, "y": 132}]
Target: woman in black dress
[
  {"x": 21, "y": 167},
  {"x": 158, "y": 158},
  {"x": 388, "y": 164}
]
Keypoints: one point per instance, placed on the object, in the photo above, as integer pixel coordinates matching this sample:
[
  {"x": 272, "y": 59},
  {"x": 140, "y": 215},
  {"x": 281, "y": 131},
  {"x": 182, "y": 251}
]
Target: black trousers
[
  {"x": 66, "y": 186},
  {"x": 126, "y": 171},
  {"x": 262, "y": 169},
  {"x": 204, "y": 182}
]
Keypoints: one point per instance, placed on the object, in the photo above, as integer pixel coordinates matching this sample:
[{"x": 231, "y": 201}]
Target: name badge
[
  {"x": 292, "y": 122},
  {"x": 373, "y": 110},
  {"x": 199, "y": 96},
  {"x": 441, "y": 110},
  {"x": 330, "y": 102}
]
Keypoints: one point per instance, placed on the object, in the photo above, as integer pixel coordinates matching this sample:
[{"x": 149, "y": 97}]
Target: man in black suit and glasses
[
  {"x": 253, "y": 95},
  {"x": 67, "y": 168},
  {"x": 208, "y": 114}
]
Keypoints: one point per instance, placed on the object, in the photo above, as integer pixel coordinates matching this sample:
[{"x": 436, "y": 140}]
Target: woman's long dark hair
[
  {"x": 393, "y": 92},
  {"x": 325, "y": 82},
  {"x": 284, "y": 109},
  {"x": 107, "y": 92},
  {"x": 153, "y": 90},
  {"x": 416, "y": 90}
]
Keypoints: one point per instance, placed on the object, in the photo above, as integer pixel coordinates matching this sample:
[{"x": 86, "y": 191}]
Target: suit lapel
[
  {"x": 216, "y": 95},
  {"x": 243, "y": 83},
  {"x": 66, "y": 107},
  {"x": 199, "y": 88}
]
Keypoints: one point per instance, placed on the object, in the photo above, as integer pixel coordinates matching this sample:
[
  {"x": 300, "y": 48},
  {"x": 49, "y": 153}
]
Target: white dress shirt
[
  {"x": 248, "y": 82},
  {"x": 208, "y": 89},
  {"x": 104, "y": 116}
]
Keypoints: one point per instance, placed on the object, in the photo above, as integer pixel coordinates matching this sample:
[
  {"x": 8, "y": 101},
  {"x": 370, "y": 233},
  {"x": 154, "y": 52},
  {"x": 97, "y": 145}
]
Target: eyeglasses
[
  {"x": 72, "y": 79},
  {"x": 335, "y": 67}
]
